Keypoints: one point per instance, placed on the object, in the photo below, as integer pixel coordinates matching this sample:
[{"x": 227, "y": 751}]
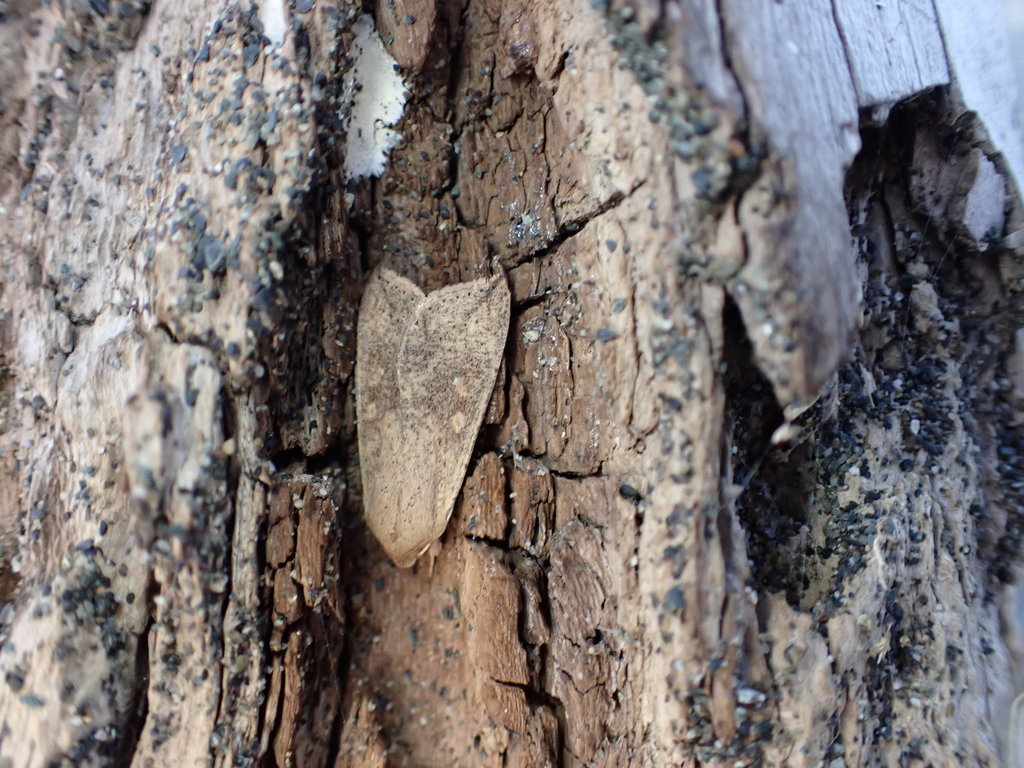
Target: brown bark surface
[{"x": 748, "y": 491}]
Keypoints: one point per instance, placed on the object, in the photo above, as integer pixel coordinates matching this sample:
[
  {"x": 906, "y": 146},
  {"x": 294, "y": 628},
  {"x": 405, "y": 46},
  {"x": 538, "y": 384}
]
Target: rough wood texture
[{"x": 749, "y": 488}]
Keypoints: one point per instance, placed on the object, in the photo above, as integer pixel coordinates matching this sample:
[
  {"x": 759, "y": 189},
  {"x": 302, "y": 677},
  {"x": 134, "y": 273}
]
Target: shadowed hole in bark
[{"x": 771, "y": 487}]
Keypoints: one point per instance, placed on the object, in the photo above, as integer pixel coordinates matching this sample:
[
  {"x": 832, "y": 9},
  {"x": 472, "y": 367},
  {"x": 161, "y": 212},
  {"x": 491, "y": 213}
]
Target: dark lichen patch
[
  {"x": 898, "y": 493},
  {"x": 929, "y": 372},
  {"x": 923, "y": 414},
  {"x": 721, "y": 161},
  {"x": 753, "y": 724}
]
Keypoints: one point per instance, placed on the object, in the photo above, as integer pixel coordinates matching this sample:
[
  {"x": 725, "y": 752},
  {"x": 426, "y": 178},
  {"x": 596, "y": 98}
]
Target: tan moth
[{"x": 425, "y": 368}]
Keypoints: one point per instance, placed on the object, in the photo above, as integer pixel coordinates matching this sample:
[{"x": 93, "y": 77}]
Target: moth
[{"x": 425, "y": 368}]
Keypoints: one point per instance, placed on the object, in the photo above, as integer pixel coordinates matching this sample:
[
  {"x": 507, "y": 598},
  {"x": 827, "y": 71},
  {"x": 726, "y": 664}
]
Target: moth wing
[
  {"x": 389, "y": 304},
  {"x": 448, "y": 361}
]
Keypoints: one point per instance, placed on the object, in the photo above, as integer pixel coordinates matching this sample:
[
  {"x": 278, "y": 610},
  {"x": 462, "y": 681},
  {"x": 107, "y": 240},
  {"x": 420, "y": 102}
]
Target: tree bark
[{"x": 749, "y": 486}]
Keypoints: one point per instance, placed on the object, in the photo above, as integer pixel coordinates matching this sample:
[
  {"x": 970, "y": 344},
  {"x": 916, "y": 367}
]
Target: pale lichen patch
[{"x": 377, "y": 94}]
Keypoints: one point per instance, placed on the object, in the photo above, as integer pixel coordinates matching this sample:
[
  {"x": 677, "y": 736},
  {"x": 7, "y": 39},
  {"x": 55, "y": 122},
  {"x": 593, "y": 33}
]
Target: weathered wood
[
  {"x": 895, "y": 50},
  {"x": 748, "y": 491},
  {"x": 978, "y": 51}
]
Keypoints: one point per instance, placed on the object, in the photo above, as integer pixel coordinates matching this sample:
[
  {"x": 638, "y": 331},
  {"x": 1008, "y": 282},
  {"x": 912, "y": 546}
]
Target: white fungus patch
[
  {"x": 274, "y": 19},
  {"x": 377, "y": 93}
]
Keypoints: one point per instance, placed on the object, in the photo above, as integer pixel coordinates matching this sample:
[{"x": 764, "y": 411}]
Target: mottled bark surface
[{"x": 748, "y": 490}]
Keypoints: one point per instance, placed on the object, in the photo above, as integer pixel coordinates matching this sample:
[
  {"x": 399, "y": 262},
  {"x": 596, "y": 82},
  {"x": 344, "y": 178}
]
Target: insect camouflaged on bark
[{"x": 425, "y": 367}]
